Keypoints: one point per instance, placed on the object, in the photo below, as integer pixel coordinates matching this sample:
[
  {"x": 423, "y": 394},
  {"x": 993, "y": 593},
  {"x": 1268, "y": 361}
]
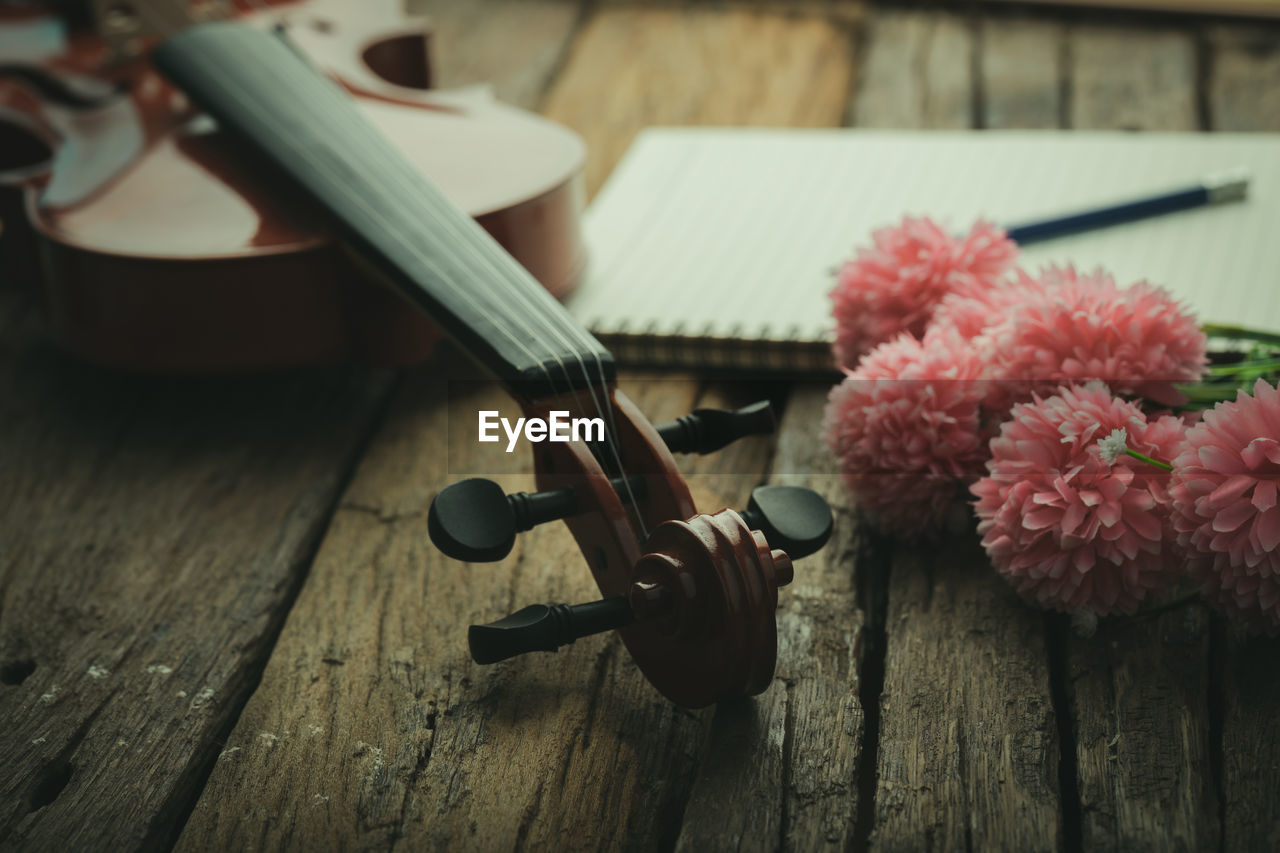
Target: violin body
[{"x": 156, "y": 245}]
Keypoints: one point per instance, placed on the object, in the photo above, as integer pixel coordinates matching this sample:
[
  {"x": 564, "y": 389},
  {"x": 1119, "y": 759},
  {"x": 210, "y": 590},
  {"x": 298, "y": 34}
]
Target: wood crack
[
  {"x": 382, "y": 516},
  {"x": 873, "y": 595},
  {"x": 599, "y": 672},
  {"x": 1202, "y": 75},
  {"x": 978, "y": 102},
  {"x": 1217, "y": 702},
  {"x": 788, "y": 749},
  {"x": 1055, "y": 632},
  {"x": 415, "y": 774}
]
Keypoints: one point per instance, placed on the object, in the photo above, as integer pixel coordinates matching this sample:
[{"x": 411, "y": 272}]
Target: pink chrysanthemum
[
  {"x": 895, "y": 286},
  {"x": 973, "y": 310},
  {"x": 1073, "y": 328},
  {"x": 1070, "y": 529},
  {"x": 1225, "y": 509},
  {"x": 906, "y": 427}
]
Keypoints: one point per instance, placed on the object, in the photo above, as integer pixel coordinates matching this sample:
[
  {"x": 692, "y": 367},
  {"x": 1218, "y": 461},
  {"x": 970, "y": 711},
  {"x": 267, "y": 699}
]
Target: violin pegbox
[{"x": 693, "y": 595}]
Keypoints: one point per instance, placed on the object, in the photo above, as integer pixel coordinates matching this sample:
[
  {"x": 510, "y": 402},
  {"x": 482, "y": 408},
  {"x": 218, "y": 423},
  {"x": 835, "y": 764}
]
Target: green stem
[
  {"x": 1239, "y": 333},
  {"x": 1244, "y": 367},
  {"x": 1208, "y": 393},
  {"x": 1142, "y": 457}
]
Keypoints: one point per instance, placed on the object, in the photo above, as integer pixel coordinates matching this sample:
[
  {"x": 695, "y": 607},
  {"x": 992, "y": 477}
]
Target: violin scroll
[{"x": 693, "y": 595}]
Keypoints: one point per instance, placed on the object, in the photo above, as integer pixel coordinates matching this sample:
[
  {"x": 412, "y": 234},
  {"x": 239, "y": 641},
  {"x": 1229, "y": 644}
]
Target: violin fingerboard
[{"x": 305, "y": 127}]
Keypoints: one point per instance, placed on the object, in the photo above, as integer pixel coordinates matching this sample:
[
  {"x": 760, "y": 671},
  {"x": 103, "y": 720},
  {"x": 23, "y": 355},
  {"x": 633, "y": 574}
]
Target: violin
[
  {"x": 156, "y": 245},
  {"x": 693, "y": 594}
]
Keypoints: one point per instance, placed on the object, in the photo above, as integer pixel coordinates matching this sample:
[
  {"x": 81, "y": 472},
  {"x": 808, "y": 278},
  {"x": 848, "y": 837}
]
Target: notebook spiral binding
[{"x": 736, "y": 352}]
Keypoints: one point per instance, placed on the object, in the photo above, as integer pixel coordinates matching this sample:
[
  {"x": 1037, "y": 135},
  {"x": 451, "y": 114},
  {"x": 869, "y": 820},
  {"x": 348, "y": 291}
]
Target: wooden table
[{"x": 223, "y": 626}]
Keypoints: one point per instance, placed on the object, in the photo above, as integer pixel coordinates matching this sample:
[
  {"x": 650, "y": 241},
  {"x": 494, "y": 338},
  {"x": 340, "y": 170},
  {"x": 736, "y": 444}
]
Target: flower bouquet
[{"x": 1104, "y": 450}]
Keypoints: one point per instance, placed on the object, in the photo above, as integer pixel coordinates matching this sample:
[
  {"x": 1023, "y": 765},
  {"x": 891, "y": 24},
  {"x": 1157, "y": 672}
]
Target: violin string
[
  {"x": 524, "y": 294},
  {"x": 496, "y": 309},
  {"x": 540, "y": 302}
]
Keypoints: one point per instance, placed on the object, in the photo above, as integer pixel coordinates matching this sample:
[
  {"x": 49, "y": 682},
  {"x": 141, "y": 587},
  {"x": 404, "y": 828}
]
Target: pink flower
[
  {"x": 1225, "y": 510},
  {"x": 895, "y": 286},
  {"x": 906, "y": 427},
  {"x": 973, "y": 310},
  {"x": 1072, "y": 328},
  {"x": 1066, "y": 527}
]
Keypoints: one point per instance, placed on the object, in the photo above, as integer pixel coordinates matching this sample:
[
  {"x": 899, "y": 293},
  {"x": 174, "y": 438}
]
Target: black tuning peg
[
  {"x": 708, "y": 430},
  {"x": 545, "y": 628},
  {"x": 475, "y": 521},
  {"x": 795, "y": 519}
]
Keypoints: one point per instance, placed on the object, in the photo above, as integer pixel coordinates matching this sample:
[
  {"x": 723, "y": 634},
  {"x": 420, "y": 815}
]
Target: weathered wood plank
[
  {"x": 1140, "y": 693},
  {"x": 1250, "y": 745},
  {"x": 1021, "y": 72},
  {"x": 513, "y": 45},
  {"x": 693, "y": 65},
  {"x": 737, "y": 800},
  {"x": 916, "y": 71},
  {"x": 820, "y": 647},
  {"x": 1132, "y": 78},
  {"x": 155, "y": 532},
  {"x": 782, "y": 772},
  {"x": 969, "y": 749},
  {"x": 1244, "y": 78}
]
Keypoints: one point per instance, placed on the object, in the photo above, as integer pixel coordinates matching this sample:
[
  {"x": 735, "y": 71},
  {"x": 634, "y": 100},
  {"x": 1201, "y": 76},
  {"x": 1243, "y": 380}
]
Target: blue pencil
[{"x": 1213, "y": 190}]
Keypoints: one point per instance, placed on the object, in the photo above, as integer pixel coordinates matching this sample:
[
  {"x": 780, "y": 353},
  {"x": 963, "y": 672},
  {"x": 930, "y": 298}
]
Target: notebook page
[{"x": 735, "y": 233}]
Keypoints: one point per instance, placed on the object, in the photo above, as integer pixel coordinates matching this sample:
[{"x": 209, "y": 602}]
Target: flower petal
[{"x": 1231, "y": 517}]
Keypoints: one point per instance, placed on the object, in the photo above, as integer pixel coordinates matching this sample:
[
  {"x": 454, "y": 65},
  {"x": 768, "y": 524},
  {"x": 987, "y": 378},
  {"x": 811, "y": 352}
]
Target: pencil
[{"x": 1217, "y": 189}]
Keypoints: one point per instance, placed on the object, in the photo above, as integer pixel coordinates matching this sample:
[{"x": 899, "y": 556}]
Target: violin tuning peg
[
  {"x": 795, "y": 519},
  {"x": 708, "y": 430},
  {"x": 545, "y": 628},
  {"x": 472, "y": 520},
  {"x": 475, "y": 521}
]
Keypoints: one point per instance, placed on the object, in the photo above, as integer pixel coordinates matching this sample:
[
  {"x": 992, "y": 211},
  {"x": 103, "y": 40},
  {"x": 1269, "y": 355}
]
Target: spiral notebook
[{"x": 717, "y": 247}]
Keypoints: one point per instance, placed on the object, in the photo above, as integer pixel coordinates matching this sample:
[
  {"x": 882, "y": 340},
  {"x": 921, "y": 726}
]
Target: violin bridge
[{"x": 128, "y": 27}]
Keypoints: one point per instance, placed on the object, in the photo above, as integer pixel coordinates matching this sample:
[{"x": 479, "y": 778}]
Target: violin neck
[{"x": 306, "y": 128}]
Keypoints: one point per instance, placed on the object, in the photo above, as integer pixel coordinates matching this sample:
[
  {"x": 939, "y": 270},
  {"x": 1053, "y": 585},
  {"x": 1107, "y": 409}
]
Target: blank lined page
[{"x": 734, "y": 234}]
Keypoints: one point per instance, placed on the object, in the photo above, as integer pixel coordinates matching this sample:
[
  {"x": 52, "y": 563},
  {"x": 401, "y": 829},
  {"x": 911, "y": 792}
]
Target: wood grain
[
  {"x": 781, "y": 772},
  {"x": 634, "y": 67},
  {"x": 968, "y": 742},
  {"x": 1132, "y": 78},
  {"x": 916, "y": 71},
  {"x": 822, "y": 637},
  {"x": 515, "y": 46},
  {"x": 1021, "y": 72},
  {"x": 1244, "y": 78},
  {"x": 1140, "y": 694},
  {"x": 155, "y": 532},
  {"x": 1250, "y": 744}
]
